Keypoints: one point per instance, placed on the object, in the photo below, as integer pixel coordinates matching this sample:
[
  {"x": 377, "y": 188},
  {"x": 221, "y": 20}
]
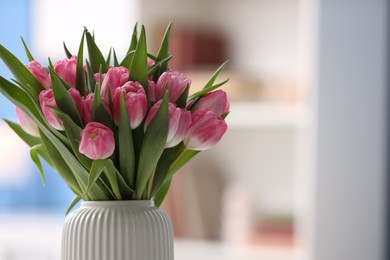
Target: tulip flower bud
[
  {"x": 214, "y": 101},
  {"x": 176, "y": 82},
  {"x": 27, "y": 124},
  {"x": 150, "y": 63},
  {"x": 97, "y": 77},
  {"x": 46, "y": 99},
  {"x": 136, "y": 103},
  {"x": 86, "y": 108},
  {"x": 77, "y": 98},
  {"x": 86, "y": 111},
  {"x": 66, "y": 70},
  {"x": 97, "y": 141},
  {"x": 206, "y": 130},
  {"x": 152, "y": 90},
  {"x": 39, "y": 73},
  {"x": 114, "y": 78},
  {"x": 179, "y": 123}
]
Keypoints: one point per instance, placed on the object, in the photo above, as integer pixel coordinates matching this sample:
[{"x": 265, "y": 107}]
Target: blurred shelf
[{"x": 260, "y": 115}]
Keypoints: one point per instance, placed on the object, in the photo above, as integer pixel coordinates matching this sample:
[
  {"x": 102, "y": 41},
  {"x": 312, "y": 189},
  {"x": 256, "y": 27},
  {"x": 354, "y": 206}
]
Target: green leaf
[
  {"x": 152, "y": 57},
  {"x": 28, "y": 53},
  {"x": 95, "y": 56},
  {"x": 91, "y": 77},
  {"x": 207, "y": 90},
  {"x": 50, "y": 63},
  {"x": 60, "y": 166},
  {"x": 127, "y": 60},
  {"x": 73, "y": 132},
  {"x": 28, "y": 104},
  {"x": 99, "y": 112},
  {"x": 30, "y": 140},
  {"x": 73, "y": 204},
  {"x": 112, "y": 179},
  {"x": 162, "y": 193},
  {"x": 108, "y": 60},
  {"x": 21, "y": 99},
  {"x": 158, "y": 65},
  {"x": 181, "y": 160},
  {"x": 153, "y": 146},
  {"x": 121, "y": 186},
  {"x": 67, "y": 52},
  {"x": 80, "y": 83},
  {"x": 27, "y": 138},
  {"x": 94, "y": 173},
  {"x": 35, "y": 158},
  {"x": 134, "y": 40},
  {"x": 139, "y": 67},
  {"x": 215, "y": 75},
  {"x": 116, "y": 62},
  {"x": 162, "y": 168},
  {"x": 138, "y": 137},
  {"x": 79, "y": 172},
  {"x": 63, "y": 99},
  {"x": 21, "y": 73},
  {"x": 126, "y": 146},
  {"x": 182, "y": 100},
  {"x": 209, "y": 86},
  {"x": 164, "y": 49},
  {"x": 224, "y": 115}
]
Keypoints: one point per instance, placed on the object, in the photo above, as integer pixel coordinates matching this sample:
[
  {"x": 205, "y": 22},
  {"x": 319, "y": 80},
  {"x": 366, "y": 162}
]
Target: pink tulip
[
  {"x": 46, "y": 99},
  {"x": 136, "y": 103},
  {"x": 150, "y": 63},
  {"x": 77, "y": 99},
  {"x": 214, "y": 101},
  {"x": 86, "y": 108},
  {"x": 114, "y": 78},
  {"x": 97, "y": 141},
  {"x": 179, "y": 123},
  {"x": 27, "y": 124},
  {"x": 152, "y": 90},
  {"x": 66, "y": 69},
  {"x": 206, "y": 130},
  {"x": 86, "y": 111},
  {"x": 176, "y": 82},
  {"x": 97, "y": 77},
  {"x": 39, "y": 73}
]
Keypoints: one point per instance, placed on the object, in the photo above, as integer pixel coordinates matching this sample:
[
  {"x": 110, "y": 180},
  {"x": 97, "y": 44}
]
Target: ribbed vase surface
[{"x": 117, "y": 230}]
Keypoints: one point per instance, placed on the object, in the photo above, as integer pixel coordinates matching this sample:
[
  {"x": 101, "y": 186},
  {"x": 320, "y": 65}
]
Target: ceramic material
[{"x": 117, "y": 230}]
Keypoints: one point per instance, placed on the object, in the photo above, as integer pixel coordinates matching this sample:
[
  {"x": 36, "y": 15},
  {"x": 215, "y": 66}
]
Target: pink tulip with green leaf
[
  {"x": 39, "y": 73},
  {"x": 113, "y": 129}
]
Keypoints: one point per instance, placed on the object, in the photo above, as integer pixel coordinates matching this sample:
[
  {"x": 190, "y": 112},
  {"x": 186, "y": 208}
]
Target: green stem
[
  {"x": 172, "y": 169},
  {"x": 150, "y": 186}
]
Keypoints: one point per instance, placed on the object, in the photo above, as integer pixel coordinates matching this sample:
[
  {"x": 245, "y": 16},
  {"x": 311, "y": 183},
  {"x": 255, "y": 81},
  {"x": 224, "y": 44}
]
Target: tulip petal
[{"x": 206, "y": 131}]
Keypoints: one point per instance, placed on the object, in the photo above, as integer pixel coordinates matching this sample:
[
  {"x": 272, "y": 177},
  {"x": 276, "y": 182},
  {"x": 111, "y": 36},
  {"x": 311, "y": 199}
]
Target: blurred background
[{"x": 301, "y": 172}]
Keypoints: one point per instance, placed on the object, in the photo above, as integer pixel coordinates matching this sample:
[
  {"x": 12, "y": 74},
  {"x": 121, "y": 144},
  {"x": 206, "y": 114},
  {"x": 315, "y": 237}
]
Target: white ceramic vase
[{"x": 117, "y": 230}]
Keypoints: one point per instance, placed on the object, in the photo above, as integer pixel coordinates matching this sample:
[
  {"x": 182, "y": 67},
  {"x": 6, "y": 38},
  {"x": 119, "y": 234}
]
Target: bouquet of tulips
[{"x": 113, "y": 130}]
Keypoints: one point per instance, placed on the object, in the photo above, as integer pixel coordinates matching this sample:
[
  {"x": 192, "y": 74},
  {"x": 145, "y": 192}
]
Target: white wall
[
  {"x": 55, "y": 21},
  {"x": 351, "y": 86}
]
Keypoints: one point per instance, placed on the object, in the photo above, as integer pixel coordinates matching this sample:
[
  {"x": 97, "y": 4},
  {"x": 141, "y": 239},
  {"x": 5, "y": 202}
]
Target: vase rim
[{"x": 118, "y": 203}]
